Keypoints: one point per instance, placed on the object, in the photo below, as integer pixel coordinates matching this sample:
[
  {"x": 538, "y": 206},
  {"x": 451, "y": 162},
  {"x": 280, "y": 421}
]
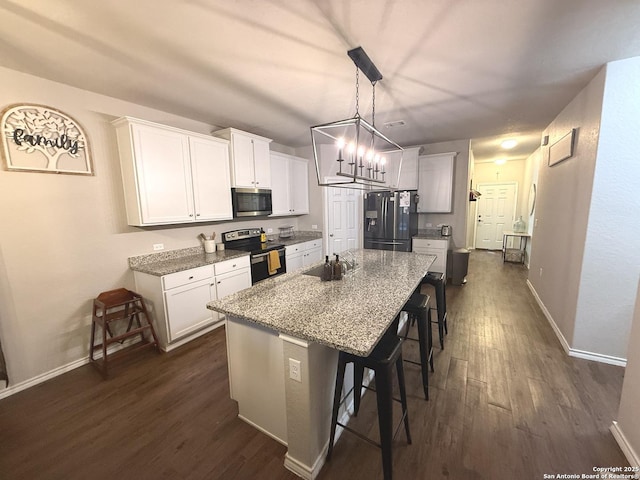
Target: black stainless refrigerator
[{"x": 390, "y": 220}]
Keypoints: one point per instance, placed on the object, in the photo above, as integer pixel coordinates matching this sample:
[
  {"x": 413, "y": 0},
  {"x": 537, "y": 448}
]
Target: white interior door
[
  {"x": 495, "y": 214},
  {"x": 343, "y": 219}
]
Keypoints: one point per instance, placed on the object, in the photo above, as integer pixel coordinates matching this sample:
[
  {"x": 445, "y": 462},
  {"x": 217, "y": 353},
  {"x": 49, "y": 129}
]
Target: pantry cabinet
[
  {"x": 171, "y": 175},
  {"x": 289, "y": 185},
  {"x": 177, "y": 301},
  {"x": 249, "y": 158},
  {"x": 435, "y": 182}
]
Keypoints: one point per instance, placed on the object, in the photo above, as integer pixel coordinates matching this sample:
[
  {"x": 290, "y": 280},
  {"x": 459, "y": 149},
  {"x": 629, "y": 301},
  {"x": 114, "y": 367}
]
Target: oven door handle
[{"x": 280, "y": 252}]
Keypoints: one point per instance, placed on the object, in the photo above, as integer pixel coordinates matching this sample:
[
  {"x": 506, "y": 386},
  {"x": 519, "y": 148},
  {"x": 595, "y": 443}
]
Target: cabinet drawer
[
  {"x": 313, "y": 244},
  {"x": 231, "y": 265},
  {"x": 291, "y": 249},
  {"x": 429, "y": 243},
  {"x": 187, "y": 276}
]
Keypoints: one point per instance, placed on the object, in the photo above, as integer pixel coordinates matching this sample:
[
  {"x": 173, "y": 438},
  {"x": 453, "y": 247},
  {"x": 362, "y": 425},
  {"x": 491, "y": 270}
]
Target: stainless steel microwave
[{"x": 251, "y": 202}]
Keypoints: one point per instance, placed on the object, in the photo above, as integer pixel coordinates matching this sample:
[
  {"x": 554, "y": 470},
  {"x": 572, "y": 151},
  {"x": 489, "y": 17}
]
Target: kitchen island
[{"x": 283, "y": 338}]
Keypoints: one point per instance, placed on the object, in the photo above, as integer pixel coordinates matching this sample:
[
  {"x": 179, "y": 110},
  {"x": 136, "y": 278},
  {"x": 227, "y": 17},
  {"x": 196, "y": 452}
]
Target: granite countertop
[
  {"x": 349, "y": 315},
  {"x": 299, "y": 237},
  {"x": 172, "y": 261},
  {"x": 431, "y": 234},
  {"x": 178, "y": 260}
]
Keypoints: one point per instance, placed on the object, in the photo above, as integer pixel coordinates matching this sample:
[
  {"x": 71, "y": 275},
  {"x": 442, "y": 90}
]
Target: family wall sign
[{"x": 37, "y": 138}]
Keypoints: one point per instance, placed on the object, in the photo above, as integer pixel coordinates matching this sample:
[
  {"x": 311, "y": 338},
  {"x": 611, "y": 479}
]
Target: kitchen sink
[{"x": 315, "y": 271}]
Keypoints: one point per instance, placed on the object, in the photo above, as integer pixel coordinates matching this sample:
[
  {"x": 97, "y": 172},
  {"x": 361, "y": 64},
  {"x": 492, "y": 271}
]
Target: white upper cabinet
[
  {"x": 211, "y": 179},
  {"x": 172, "y": 176},
  {"x": 250, "y": 158},
  {"x": 408, "y": 172},
  {"x": 435, "y": 182},
  {"x": 289, "y": 185}
]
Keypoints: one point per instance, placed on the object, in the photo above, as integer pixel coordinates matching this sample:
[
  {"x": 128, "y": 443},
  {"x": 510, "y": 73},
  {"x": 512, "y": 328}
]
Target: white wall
[
  {"x": 562, "y": 211},
  {"x": 611, "y": 263},
  {"x": 64, "y": 238},
  {"x": 585, "y": 243}
]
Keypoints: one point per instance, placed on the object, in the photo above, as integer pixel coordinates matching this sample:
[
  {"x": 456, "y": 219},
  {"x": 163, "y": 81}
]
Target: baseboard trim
[
  {"x": 556, "y": 330},
  {"x": 573, "y": 352},
  {"x": 631, "y": 455},
  {"x": 302, "y": 470},
  {"x": 32, "y": 382},
  {"x": 597, "y": 357}
]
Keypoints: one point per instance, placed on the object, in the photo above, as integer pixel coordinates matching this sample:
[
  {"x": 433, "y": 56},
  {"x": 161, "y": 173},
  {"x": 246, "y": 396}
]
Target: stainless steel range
[{"x": 248, "y": 240}]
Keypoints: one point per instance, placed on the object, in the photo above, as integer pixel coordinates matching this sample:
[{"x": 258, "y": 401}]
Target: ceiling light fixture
[
  {"x": 509, "y": 143},
  {"x": 353, "y": 153}
]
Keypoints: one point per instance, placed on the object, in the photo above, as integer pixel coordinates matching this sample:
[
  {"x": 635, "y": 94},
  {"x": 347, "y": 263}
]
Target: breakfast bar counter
[{"x": 283, "y": 338}]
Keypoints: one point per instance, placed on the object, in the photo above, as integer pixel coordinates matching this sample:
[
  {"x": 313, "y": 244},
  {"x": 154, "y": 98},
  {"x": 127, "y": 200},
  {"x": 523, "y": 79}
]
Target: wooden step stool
[{"x": 117, "y": 306}]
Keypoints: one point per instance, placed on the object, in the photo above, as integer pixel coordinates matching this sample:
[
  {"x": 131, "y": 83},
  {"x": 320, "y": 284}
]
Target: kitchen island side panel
[{"x": 256, "y": 376}]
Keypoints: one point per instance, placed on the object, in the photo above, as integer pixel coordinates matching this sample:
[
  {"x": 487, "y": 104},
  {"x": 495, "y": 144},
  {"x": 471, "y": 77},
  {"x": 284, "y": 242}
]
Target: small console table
[{"x": 510, "y": 253}]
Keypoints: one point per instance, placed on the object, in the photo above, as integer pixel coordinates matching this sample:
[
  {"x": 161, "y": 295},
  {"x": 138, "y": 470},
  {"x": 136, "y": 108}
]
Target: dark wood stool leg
[
  {"x": 93, "y": 341},
  {"x": 336, "y": 402},
  {"x": 384, "y": 399},
  {"x": 423, "y": 325}
]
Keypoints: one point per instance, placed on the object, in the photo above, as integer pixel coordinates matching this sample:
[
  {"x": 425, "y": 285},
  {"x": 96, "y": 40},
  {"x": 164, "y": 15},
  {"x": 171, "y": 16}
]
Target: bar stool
[
  {"x": 438, "y": 280},
  {"x": 387, "y": 353},
  {"x": 119, "y": 305},
  {"x": 417, "y": 308}
]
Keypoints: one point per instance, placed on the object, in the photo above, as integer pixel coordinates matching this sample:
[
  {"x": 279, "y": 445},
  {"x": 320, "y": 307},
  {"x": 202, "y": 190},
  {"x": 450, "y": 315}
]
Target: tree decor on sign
[{"x": 42, "y": 139}]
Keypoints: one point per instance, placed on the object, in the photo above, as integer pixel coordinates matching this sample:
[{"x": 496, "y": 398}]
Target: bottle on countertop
[
  {"x": 263, "y": 236},
  {"x": 337, "y": 269},
  {"x": 327, "y": 270}
]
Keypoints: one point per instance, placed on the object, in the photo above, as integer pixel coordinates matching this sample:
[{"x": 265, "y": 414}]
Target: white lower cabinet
[
  {"x": 184, "y": 308},
  {"x": 438, "y": 248},
  {"x": 178, "y": 302},
  {"x": 303, "y": 254}
]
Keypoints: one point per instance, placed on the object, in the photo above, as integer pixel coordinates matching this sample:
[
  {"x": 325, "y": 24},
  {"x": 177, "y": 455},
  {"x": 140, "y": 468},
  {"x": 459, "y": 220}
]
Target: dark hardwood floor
[{"x": 506, "y": 403}]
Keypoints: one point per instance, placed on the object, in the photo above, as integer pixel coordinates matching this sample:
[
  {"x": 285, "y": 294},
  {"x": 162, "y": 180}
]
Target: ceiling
[{"x": 453, "y": 69}]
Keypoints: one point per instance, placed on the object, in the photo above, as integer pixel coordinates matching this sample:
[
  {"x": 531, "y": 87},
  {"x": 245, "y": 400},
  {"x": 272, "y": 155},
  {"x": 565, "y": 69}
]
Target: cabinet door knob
[
  {"x": 191, "y": 214},
  {"x": 219, "y": 282},
  {"x": 191, "y": 277},
  {"x": 197, "y": 214}
]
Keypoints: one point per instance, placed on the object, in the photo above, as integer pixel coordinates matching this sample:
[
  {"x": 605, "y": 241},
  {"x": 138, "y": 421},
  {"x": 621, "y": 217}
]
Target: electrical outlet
[
  {"x": 158, "y": 246},
  {"x": 314, "y": 227},
  {"x": 535, "y": 223},
  {"x": 269, "y": 230},
  {"x": 540, "y": 271},
  {"x": 294, "y": 370}
]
